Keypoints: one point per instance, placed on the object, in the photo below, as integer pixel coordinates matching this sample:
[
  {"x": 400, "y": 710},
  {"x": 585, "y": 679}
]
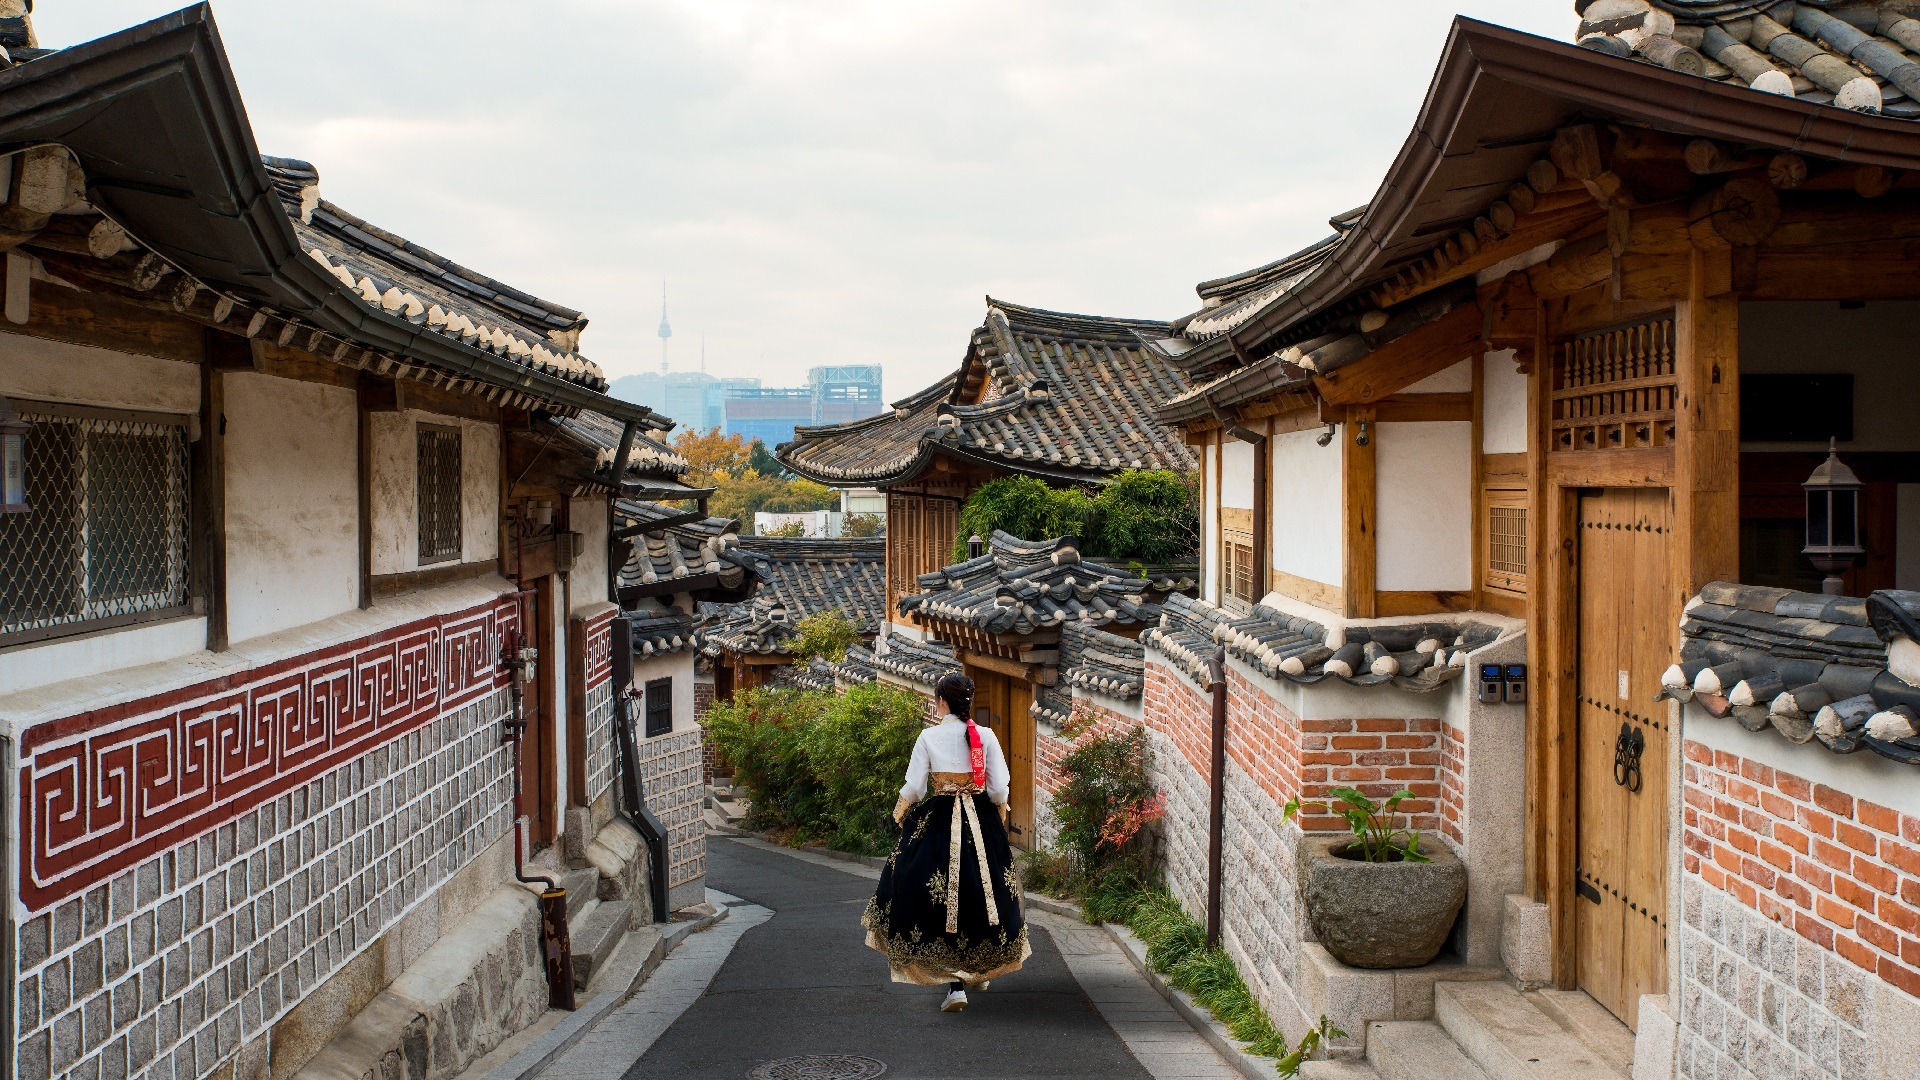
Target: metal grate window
[
  {"x": 107, "y": 535},
  {"x": 659, "y": 707},
  {"x": 1507, "y": 541},
  {"x": 439, "y": 494}
]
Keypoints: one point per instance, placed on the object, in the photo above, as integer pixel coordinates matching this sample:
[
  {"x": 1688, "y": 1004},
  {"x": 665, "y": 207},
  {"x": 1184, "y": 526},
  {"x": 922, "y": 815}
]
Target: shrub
[
  {"x": 1025, "y": 507},
  {"x": 1106, "y": 792},
  {"x": 859, "y": 748},
  {"x": 1148, "y": 515},
  {"x": 865, "y": 525},
  {"x": 823, "y": 633},
  {"x": 759, "y": 732}
]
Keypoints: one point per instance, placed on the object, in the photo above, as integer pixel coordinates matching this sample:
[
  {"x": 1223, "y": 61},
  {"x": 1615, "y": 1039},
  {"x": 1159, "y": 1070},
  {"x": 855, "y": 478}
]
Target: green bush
[
  {"x": 1025, "y": 507},
  {"x": 823, "y": 633},
  {"x": 859, "y": 748},
  {"x": 820, "y": 766},
  {"x": 1148, "y": 515},
  {"x": 1106, "y": 776}
]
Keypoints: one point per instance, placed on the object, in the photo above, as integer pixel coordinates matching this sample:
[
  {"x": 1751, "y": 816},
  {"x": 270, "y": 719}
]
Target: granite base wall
[{"x": 671, "y": 774}]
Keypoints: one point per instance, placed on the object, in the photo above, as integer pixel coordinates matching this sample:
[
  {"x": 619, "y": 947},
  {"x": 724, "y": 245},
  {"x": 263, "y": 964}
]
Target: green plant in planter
[{"x": 1372, "y": 824}]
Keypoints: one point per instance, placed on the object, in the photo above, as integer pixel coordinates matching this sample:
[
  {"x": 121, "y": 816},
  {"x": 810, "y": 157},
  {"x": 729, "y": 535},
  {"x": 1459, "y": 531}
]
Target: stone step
[
  {"x": 596, "y": 936},
  {"x": 1510, "y": 1038},
  {"x": 1417, "y": 1050},
  {"x": 1589, "y": 1021},
  {"x": 583, "y": 888},
  {"x": 1337, "y": 1070}
]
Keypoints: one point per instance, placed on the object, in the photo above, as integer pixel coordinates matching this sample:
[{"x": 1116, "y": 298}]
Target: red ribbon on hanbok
[{"x": 976, "y": 755}]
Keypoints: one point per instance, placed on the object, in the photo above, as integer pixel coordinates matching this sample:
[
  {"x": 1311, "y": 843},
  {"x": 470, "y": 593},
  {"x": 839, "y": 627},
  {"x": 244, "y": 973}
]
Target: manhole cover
[{"x": 819, "y": 1067}]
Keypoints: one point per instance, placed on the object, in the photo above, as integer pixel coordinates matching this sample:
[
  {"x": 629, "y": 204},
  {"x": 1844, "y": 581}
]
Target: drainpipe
[
  {"x": 517, "y": 659},
  {"x": 1217, "y": 788},
  {"x": 628, "y": 744}
]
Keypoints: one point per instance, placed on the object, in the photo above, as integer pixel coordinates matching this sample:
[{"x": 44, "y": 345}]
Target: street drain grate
[{"x": 819, "y": 1067}]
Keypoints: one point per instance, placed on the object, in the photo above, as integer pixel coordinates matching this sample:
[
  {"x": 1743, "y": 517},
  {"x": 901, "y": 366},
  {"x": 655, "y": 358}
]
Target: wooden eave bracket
[{"x": 1398, "y": 364}]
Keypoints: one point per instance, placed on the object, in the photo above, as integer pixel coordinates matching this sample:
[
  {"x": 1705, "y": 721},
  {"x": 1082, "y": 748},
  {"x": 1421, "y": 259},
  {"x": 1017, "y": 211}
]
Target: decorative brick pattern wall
[
  {"x": 1796, "y": 898},
  {"x": 1453, "y": 784},
  {"x": 601, "y": 745},
  {"x": 670, "y": 772},
  {"x": 165, "y": 968}
]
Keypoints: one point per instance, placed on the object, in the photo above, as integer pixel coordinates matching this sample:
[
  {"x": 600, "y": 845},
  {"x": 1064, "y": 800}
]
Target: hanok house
[
  {"x": 1540, "y": 403},
  {"x": 1006, "y": 611},
  {"x": 268, "y": 533},
  {"x": 750, "y": 642}
]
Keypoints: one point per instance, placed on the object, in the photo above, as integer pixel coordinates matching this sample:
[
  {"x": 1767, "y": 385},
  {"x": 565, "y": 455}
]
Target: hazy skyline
[{"x": 835, "y": 181}]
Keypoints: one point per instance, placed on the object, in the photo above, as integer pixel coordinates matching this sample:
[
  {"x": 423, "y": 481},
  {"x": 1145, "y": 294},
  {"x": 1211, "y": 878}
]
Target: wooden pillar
[
  {"x": 1263, "y": 513},
  {"x": 1706, "y": 461},
  {"x": 1358, "y": 512},
  {"x": 210, "y": 460}
]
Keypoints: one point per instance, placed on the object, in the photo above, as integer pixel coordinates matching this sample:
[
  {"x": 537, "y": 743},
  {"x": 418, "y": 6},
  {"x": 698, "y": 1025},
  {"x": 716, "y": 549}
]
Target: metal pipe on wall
[
  {"x": 631, "y": 793},
  {"x": 1217, "y": 791},
  {"x": 553, "y": 898}
]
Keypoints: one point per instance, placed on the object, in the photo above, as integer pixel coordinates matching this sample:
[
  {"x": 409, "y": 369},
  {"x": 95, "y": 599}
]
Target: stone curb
[{"x": 560, "y": 1038}]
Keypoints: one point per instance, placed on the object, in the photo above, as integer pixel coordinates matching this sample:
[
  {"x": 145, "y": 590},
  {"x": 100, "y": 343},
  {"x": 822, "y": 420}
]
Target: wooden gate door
[
  {"x": 539, "y": 743},
  {"x": 1004, "y": 704},
  {"x": 1626, "y": 628}
]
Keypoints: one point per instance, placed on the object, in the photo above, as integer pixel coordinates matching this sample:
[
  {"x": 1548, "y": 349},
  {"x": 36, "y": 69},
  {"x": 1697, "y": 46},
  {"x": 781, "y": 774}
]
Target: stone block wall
[
  {"x": 602, "y": 747},
  {"x": 166, "y": 968},
  {"x": 1800, "y": 932},
  {"x": 670, "y": 774}
]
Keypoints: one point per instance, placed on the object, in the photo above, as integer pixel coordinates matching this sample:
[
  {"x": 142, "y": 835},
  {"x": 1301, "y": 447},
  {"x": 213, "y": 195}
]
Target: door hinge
[{"x": 1586, "y": 890}]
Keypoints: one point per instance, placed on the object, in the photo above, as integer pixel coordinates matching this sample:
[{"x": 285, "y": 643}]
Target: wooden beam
[
  {"x": 1639, "y": 466},
  {"x": 1477, "y": 497},
  {"x": 1306, "y": 590},
  {"x": 1406, "y": 360},
  {"x": 1422, "y": 602},
  {"x": 1837, "y": 275},
  {"x": 1706, "y": 458},
  {"x": 1358, "y": 513},
  {"x": 212, "y": 498},
  {"x": 1262, "y": 509}
]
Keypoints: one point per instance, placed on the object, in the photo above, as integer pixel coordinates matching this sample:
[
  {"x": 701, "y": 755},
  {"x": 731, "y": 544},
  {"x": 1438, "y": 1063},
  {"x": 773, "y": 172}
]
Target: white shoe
[{"x": 956, "y": 1001}]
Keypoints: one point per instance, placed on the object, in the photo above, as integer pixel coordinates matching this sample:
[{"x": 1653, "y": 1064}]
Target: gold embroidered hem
[{"x": 937, "y": 961}]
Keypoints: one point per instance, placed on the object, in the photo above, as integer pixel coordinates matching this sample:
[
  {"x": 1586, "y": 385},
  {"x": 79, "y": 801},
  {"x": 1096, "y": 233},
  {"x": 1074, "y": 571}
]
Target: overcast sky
[{"x": 836, "y": 181}]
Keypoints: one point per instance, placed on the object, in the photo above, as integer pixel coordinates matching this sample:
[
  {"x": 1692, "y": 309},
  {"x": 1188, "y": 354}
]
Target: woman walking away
[{"x": 947, "y": 910}]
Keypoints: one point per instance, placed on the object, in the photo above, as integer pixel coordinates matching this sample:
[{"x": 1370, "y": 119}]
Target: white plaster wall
[
  {"x": 396, "y": 509},
  {"x": 1457, "y": 379},
  {"x": 91, "y": 656},
  {"x": 1425, "y": 509},
  {"x": 1503, "y": 417},
  {"x": 56, "y": 371},
  {"x": 589, "y": 518},
  {"x": 1236, "y": 474},
  {"x": 1875, "y": 343},
  {"x": 1209, "y": 526},
  {"x": 1306, "y": 507},
  {"x": 679, "y": 668},
  {"x": 293, "y": 503}
]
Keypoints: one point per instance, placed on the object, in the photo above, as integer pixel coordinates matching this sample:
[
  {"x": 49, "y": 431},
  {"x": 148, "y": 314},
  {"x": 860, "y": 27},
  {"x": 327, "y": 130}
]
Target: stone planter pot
[{"x": 1380, "y": 915}]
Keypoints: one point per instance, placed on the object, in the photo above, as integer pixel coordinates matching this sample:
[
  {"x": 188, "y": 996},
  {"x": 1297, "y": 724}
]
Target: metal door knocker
[{"x": 1626, "y": 757}]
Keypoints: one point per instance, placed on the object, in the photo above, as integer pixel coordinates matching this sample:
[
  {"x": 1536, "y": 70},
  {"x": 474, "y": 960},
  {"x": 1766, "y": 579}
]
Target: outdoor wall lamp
[
  {"x": 13, "y": 460},
  {"x": 1326, "y": 437},
  {"x": 1833, "y": 519},
  {"x": 1365, "y": 436},
  {"x": 976, "y": 547}
]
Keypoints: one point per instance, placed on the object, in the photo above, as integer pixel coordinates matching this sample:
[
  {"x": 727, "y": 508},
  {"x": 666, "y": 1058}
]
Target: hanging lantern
[
  {"x": 1833, "y": 519},
  {"x": 976, "y": 547},
  {"x": 13, "y": 460}
]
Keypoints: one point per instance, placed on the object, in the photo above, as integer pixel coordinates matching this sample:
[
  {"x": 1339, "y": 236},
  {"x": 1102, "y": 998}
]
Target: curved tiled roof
[
  {"x": 1419, "y": 657},
  {"x": 923, "y": 663},
  {"x": 665, "y": 633},
  {"x": 442, "y": 297},
  {"x": 598, "y": 435},
  {"x": 1042, "y": 392},
  {"x": 1856, "y": 55},
  {"x": 1095, "y": 662},
  {"x": 1830, "y": 668},
  {"x": 1020, "y": 586},
  {"x": 801, "y": 577},
  {"x": 665, "y": 557}
]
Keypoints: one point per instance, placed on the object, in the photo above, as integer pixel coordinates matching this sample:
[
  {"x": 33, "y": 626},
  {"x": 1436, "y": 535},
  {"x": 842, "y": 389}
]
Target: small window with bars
[
  {"x": 105, "y": 539},
  {"x": 439, "y": 494},
  {"x": 1506, "y": 548},
  {"x": 659, "y": 699}
]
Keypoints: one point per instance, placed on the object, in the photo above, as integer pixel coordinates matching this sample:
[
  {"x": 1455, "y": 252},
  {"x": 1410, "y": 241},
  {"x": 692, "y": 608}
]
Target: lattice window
[
  {"x": 439, "y": 494},
  {"x": 107, "y": 536},
  {"x": 1614, "y": 389},
  {"x": 1506, "y": 545},
  {"x": 1237, "y": 577},
  {"x": 659, "y": 699}
]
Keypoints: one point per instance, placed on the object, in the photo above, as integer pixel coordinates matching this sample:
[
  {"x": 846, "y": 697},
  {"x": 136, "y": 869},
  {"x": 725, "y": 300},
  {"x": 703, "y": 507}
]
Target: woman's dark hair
[{"x": 957, "y": 691}]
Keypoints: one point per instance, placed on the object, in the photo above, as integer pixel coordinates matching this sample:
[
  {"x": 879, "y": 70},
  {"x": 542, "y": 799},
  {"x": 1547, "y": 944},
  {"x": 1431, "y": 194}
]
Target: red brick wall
[
  {"x": 1453, "y": 783},
  {"x": 1844, "y": 873},
  {"x": 702, "y": 703},
  {"x": 1089, "y": 720},
  {"x": 1290, "y": 757}
]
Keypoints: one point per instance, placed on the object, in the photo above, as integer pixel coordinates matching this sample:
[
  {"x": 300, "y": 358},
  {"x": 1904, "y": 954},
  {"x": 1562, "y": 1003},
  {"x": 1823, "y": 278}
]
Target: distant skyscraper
[
  {"x": 834, "y": 394},
  {"x": 666, "y": 329}
]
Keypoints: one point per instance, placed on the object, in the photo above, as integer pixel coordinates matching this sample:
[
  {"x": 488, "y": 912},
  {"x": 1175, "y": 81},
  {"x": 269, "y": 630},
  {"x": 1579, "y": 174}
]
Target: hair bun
[{"x": 956, "y": 691}]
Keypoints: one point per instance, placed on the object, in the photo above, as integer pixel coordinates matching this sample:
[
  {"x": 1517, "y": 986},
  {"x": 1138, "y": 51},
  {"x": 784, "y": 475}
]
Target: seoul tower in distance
[{"x": 666, "y": 330}]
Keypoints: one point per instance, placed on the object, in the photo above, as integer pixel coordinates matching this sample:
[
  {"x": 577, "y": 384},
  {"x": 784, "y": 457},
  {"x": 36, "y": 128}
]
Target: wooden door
[
  {"x": 1626, "y": 625},
  {"x": 539, "y": 744},
  {"x": 1004, "y": 704}
]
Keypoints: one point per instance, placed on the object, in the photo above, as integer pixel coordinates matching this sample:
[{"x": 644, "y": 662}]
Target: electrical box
[
  {"x": 1516, "y": 680},
  {"x": 1492, "y": 684}
]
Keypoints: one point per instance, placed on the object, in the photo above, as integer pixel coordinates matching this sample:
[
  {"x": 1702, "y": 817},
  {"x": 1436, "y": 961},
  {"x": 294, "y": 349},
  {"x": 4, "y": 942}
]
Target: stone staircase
[
  {"x": 595, "y": 925},
  {"x": 1490, "y": 1031},
  {"x": 724, "y": 806}
]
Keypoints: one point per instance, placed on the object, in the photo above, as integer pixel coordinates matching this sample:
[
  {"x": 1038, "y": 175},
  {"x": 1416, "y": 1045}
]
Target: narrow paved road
[{"x": 803, "y": 983}]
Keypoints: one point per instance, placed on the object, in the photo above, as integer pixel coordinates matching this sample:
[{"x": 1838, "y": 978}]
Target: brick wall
[
  {"x": 1795, "y": 899},
  {"x": 166, "y": 968},
  {"x": 1453, "y": 784}
]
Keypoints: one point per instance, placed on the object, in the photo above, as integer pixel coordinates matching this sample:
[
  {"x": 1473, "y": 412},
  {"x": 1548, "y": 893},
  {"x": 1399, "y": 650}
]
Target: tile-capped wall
[
  {"x": 1801, "y": 907},
  {"x": 167, "y": 968}
]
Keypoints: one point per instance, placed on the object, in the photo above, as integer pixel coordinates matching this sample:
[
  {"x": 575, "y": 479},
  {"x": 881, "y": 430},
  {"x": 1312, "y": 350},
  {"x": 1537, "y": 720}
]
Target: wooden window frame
[
  {"x": 1496, "y": 579},
  {"x": 657, "y": 702},
  {"x": 1238, "y": 568}
]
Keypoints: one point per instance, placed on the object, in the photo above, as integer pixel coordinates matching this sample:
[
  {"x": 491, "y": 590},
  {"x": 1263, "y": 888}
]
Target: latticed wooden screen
[
  {"x": 439, "y": 494},
  {"x": 1236, "y": 555},
  {"x": 659, "y": 706},
  {"x": 1507, "y": 541},
  {"x": 1614, "y": 389},
  {"x": 106, "y": 537}
]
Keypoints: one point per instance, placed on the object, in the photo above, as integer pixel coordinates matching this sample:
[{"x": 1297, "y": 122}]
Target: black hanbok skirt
[{"x": 948, "y": 906}]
